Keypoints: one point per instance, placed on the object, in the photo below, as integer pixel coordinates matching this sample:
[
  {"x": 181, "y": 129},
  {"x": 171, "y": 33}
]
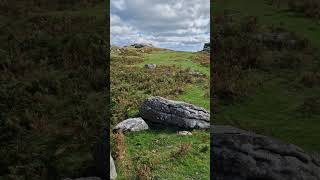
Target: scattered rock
[
  {"x": 278, "y": 40},
  {"x": 242, "y": 155},
  {"x": 196, "y": 74},
  {"x": 161, "y": 112},
  {"x": 113, "y": 172},
  {"x": 150, "y": 66},
  {"x": 131, "y": 124},
  {"x": 184, "y": 133}
]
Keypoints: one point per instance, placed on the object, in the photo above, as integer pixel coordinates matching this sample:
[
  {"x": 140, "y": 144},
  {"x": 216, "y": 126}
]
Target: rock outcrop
[
  {"x": 161, "y": 112},
  {"x": 206, "y": 47},
  {"x": 141, "y": 45},
  {"x": 130, "y": 125},
  {"x": 150, "y": 66},
  {"x": 113, "y": 172},
  {"x": 242, "y": 155}
]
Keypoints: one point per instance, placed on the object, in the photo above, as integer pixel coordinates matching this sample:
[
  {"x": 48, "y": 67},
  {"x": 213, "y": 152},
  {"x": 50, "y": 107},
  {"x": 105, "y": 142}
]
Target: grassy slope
[
  {"x": 53, "y": 149},
  {"x": 270, "y": 15},
  {"x": 157, "y": 149},
  {"x": 273, "y": 109},
  {"x": 195, "y": 93}
]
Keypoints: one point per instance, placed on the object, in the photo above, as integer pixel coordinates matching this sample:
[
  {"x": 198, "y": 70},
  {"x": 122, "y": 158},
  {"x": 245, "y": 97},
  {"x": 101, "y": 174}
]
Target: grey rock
[
  {"x": 131, "y": 124},
  {"x": 141, "y": 45},
  {"x": 196, "y": 74},
  {"x": 161, "y": 112},
  {"x": 113, "y": 172},
  {"x": 150, "y": 66},
  {"x": 278, "y": 40},
  {"x": 243, "y": 155},
  {"x": 184, "y": 133}
]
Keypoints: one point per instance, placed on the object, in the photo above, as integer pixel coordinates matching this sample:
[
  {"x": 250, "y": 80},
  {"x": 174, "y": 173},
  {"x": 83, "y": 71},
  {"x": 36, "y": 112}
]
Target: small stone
[
  {"x": 184, "y": 133},
  {"x": 131, "y": 125},
  {"x": 150, "y": 66}
]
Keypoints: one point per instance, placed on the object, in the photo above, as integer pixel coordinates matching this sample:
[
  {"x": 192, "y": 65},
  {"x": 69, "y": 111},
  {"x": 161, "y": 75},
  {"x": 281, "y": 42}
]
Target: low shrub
[{"x": 311, "y": 8}]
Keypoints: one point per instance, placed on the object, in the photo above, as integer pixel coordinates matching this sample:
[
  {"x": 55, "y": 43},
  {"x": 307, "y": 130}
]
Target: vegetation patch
[
  {"x": 153, "y": 153},
  {"x": 261, "y": 81}
]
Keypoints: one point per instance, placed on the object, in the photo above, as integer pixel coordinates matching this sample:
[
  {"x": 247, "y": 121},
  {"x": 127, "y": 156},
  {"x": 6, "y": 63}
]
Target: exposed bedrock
[
  {"x": 242, "y": 155},
  {"x": 161, "y": 112}
]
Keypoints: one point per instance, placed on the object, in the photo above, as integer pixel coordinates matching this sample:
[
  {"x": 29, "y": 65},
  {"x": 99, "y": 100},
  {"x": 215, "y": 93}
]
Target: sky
[{"x": 182, "y": 25}]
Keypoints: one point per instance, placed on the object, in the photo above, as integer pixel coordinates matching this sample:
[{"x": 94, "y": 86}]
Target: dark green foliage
[
  {"x": 234, "y": 52},
  {"x": 310, "y": 8},
  {"x": 52, "y": 94},
  {"x": 243, "y": 46}
]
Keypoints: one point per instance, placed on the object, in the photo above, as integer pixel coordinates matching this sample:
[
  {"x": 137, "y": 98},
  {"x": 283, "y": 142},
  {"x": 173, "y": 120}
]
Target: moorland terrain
[
  {"x": 176, "y": 75},
  {"x": 266, "y": 76},
  {"x": 53, "y": 87}
]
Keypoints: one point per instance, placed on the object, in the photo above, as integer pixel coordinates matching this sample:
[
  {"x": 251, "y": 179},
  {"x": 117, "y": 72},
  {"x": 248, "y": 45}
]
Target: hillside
[
  {"x": 267, "y": 77},
  {"x": 153, "y": 153},
  {"x": 52, "y": 90}
]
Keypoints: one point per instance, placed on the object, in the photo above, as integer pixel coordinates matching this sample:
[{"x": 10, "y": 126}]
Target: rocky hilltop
[
  {"x": 140, "y": 45},
  {"x": 206, "y": 47}
]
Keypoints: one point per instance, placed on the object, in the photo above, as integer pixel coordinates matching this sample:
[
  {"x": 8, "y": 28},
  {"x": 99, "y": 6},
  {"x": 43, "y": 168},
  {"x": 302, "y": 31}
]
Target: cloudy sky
[{"x": 173, "y": 24}]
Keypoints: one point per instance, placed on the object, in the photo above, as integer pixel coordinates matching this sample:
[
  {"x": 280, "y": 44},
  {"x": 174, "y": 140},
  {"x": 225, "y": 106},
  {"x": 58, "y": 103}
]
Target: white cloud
[{"x": 175, "y": 24}]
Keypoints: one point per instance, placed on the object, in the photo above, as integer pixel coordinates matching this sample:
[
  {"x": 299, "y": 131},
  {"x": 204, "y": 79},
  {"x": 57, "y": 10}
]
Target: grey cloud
[{"x": 164, "y": 22}]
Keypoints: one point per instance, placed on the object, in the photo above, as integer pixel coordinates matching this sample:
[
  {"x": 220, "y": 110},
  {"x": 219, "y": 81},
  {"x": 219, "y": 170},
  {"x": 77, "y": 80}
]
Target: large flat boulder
[
  {"x": 161, "y": 112},
  {"x": 243, "y": 155},
  {"x": 131, "y": 125}
]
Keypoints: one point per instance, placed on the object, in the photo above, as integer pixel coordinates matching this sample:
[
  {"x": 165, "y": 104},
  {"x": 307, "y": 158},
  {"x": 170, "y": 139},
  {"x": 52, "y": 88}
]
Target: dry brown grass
[
  {"x": 144, "y": 172},
  {"x": 120, "y": 154},
  {"x": 203, "y": 59},
  {"x": 182, "y": 151}
]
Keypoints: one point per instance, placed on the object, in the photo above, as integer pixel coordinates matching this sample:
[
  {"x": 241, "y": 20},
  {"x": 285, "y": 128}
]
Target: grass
[
  {"x": 159, "y": 150},
  {"x": 273, "y": 106},
  {"x": 196, "y": 95},
  {"x": 273, "y": 110},
  {"x": 270, "y": 15},
  {"x": 183, "y": 59},
  {"x": 152, "y": 154},
  {"x": 53, "y": 91}
]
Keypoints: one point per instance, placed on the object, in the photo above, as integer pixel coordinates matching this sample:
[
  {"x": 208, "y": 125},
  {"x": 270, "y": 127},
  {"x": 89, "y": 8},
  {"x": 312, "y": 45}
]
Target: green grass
[
  {"x": 273, "y": 108},
  {"x": 196, "y": 95},
  {"x": 270, "y": 15},
  {"x": 156, "y": 149},
  {"x": 183, "y": 59}
]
